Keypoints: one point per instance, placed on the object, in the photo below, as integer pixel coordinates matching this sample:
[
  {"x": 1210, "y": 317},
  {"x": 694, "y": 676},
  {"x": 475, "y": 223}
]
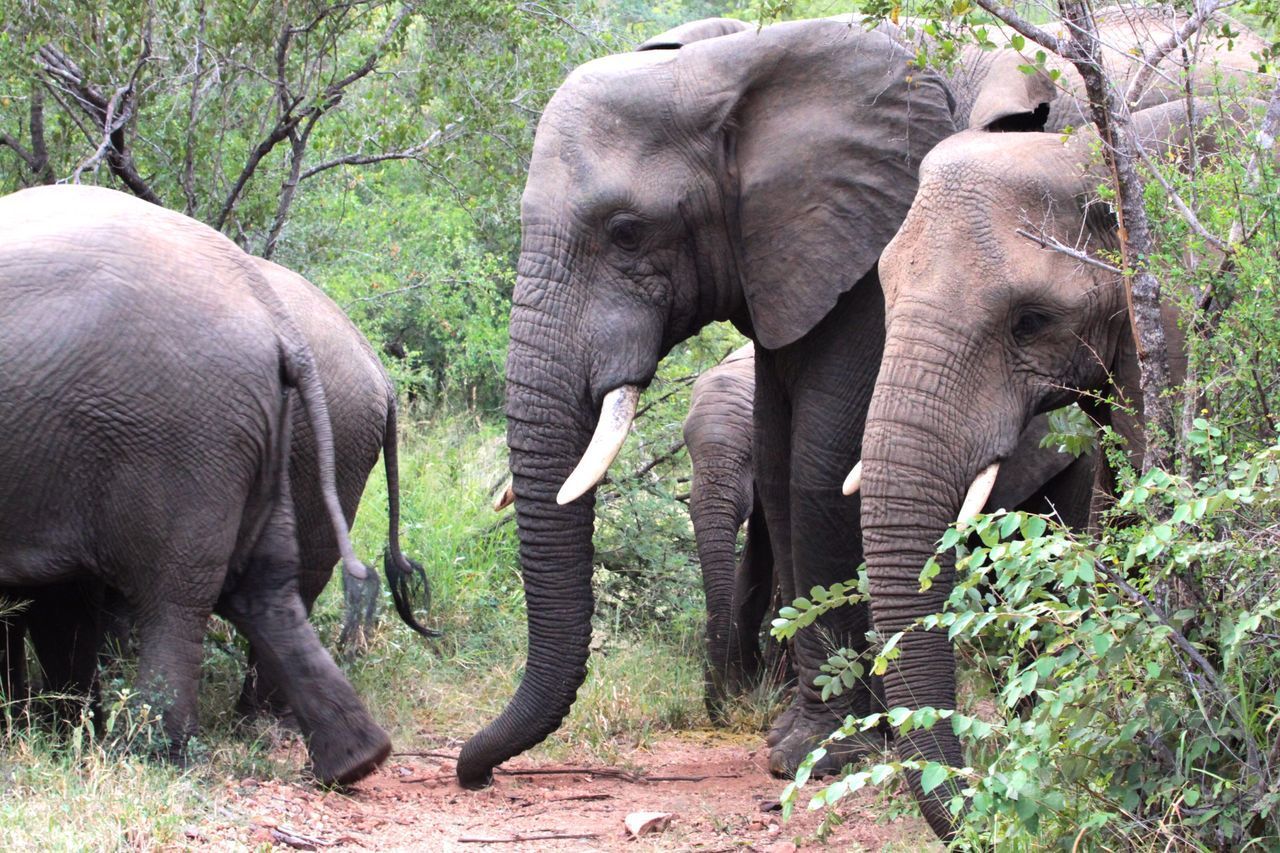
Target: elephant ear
[
  {"x": 1011, "y": 98},
  {"x": 823, "y": 127},
  {"x": 707, "y": 28}
]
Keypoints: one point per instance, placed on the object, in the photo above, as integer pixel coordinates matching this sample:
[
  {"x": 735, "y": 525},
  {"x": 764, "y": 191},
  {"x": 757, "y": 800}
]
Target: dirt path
[{"x": 714, "y": 787}]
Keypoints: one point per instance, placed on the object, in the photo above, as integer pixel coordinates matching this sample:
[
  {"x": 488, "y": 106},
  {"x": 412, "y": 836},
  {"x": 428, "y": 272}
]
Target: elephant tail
[
  {"x": 406, "y": 578},
  {"x": 300, "y": 372}
]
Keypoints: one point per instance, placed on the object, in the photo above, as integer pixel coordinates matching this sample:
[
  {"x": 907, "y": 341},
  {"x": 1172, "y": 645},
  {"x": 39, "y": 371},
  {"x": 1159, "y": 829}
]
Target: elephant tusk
[
  {"x": 854, "y": 481},
  {"x": 616, "y": 413},
  {"x": 978, "y": 493},
  {"x": 506, "y": 499}
]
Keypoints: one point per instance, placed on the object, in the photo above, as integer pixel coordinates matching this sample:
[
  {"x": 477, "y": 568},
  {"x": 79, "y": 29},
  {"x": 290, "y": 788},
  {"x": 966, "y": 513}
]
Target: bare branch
[
  {"x": 1024, "y": 27},
  {"x": 286, "y": 126},
  {"x": 1057, "y": 246},
  {"x": 1187, "y": 213},
  {"x": 1156, "y": 53},
  {"x": 1265, "y": 140},
  {"x": 109, "y": 128},
  {"x": 446, "y": 134},
  {"x": 23, "y": 154},
  {"x": 111, "y": 114}
]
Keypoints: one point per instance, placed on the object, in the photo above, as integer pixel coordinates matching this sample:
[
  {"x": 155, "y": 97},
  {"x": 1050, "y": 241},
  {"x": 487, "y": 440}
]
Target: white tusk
[
  {"x": 504, "y": 500},
  {"x": 854, "y": 481},
  {"x": 976, "y": 499},
  {"x": 616, "y": 413}
]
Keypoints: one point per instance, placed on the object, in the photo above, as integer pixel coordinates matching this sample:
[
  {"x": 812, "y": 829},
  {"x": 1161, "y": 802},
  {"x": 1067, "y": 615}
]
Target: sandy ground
[{"x": 715, "y": 788}]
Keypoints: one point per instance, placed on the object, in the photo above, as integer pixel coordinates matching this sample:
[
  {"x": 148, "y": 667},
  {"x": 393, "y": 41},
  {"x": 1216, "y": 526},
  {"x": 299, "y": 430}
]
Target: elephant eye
[
  {"x": 1028, "y": 322},
  {"x": 625, "y": 233}
]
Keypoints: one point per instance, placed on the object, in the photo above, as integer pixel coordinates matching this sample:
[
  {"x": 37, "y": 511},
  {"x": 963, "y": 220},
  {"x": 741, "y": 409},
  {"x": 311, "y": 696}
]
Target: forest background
[{"x": 379, "y": 149}]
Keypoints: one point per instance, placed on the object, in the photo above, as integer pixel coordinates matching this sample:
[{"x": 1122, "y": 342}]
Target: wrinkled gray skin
[
  {"x": 739, "y": 592},
  {"x": 362, "y": 408},
  {"x": 155, "y": 364},
  {"x": 717, "y": 434},
  {"x": 985, "y": 329},
  {"x": 755, "y": 178}
]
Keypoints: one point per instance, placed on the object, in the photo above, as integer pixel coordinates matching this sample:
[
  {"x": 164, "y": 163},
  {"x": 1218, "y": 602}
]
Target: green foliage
[
  {"x": 1071, "y": 431},
  {"x": 1137, "y": 679}
]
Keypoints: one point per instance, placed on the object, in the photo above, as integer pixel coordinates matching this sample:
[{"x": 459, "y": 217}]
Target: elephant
[
  {"x": 739, "y": 593},
  {"x": 152, "y": 368},
  {"x": 1003, "y": 89},
  {"x": 362, "y": 406},
  {"x": 753, "y": 178},
  {"x": 985, "y": 329}
]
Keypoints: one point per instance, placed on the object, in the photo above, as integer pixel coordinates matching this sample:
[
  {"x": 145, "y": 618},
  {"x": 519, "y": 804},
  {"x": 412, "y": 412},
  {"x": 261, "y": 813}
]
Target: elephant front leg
[
  {"x": 344, "y": 742},
  {"x": 811, "y": 438}
]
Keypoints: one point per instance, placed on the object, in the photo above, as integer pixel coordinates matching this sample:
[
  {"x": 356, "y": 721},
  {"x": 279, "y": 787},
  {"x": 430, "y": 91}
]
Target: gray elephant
[
  {"x": 153, "y": 368},
  {"x": 1002, "y": 89},
  {"x": 752, "y": 177},
  {"x": 362, "y": 408},
  {"x": 739, "y": 592},
  {"x": 984, "y": 330}
]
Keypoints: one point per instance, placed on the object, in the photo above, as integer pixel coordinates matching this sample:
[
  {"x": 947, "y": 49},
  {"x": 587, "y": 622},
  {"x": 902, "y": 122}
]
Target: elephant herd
[{"x": 856, "y": 217}]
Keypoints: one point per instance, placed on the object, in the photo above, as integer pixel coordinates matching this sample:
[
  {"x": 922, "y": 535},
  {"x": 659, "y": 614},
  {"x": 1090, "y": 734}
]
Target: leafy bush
[{"x": 1137, "y": 672}]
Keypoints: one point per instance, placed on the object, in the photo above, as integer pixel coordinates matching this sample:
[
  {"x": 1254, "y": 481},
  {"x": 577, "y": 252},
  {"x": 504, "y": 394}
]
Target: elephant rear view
[{"x": 145, "y": 403}]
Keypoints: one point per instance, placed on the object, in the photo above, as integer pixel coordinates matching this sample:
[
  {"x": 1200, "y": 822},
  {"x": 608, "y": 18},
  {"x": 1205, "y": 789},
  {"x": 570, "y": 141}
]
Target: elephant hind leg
[
  {"x": 344, "y": 742},
  {"x": 66, "y": 626}
]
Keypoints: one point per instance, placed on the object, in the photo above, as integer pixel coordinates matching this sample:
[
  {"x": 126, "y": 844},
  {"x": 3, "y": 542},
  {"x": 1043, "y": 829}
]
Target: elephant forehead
[
  {"x": 613, "y": 90},
  {"x": 1002, "y": 159}
]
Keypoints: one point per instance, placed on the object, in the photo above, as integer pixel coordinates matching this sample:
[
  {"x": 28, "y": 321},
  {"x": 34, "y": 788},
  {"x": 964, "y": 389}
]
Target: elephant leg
[
  {"x": 772, "y": 470},
  {"x": 67, "y": 626},
  {"x": 827, "y": 378},
  {"x": 259, "y": 694},
  {"x": 170, "y": 636},
  {"x": 344, "y": 742}
]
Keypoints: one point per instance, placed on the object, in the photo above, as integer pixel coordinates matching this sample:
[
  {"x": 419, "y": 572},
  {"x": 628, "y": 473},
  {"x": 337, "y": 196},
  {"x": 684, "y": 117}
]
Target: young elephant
[
  {"x": 149, "y": 366},
  {"x": 985, "y": 328}
]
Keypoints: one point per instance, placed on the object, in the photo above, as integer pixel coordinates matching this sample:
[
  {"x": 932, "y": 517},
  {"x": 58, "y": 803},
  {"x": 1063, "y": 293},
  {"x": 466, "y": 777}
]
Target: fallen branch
[
  {"x": 297, "y": 841},
  {"x": 518, "y": 838}
]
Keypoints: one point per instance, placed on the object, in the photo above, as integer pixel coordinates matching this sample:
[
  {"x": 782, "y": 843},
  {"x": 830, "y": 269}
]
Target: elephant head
[
  {"x": 752, "y": 177},
  {"x": 985, "y": 328}
]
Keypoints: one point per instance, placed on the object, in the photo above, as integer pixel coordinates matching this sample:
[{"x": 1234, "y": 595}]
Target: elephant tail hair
[{"x": 406, "y": 578}]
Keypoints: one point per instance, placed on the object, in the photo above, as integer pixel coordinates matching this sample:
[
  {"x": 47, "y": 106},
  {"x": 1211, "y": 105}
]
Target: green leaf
[{"x": 933, "y": 775}]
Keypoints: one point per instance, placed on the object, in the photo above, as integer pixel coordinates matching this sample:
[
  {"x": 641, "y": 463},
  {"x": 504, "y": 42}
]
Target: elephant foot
[
  {"x": 782, "y": 725},
  {"x": 797, "y": 733},
  {"x": 348, "y": 754}
]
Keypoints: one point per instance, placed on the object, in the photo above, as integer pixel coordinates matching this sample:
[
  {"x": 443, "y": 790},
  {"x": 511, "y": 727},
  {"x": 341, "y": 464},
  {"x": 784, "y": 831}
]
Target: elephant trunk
[
  {"x": 718, "y": 504},
  {"x": 917, "y": 470},
  {"x": 549, "y": 425}
]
